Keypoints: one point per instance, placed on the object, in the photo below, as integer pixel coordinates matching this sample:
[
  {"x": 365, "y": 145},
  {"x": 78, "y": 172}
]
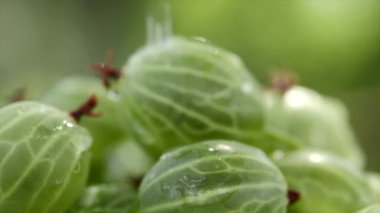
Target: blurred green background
[{"x": 333, "y": 46}]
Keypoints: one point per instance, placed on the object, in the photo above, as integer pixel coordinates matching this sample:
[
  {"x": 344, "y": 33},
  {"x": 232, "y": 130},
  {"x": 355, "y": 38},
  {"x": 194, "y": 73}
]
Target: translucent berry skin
[
  {"x": 316, "y": 121},
  {"x": 182, "y": 91},
  {"x": 127, "y": 161},
  {"x": 116, "y": 197},
  {"x": 44, "y": 158},
  {"x": 214, "y": 176},
  {"x": 374, "y": 183},
  {"x": 326, "y": 183}
]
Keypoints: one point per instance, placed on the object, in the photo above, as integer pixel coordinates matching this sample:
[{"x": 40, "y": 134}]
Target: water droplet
[
  {"x": 113, "y": 95},
  {"x": 165, "y": 186},
  {"x": 200, "y": 39},
  {"x": 68, "y": 124},
  {"x": 82, "y": 141},
  {"x": 224, "y": 148},
  {"x": 316, "y": 158},
  {"x": 159, "y": 26},
  {"x": 172, "y": 189},
  {"x": 58, "y": 128},
  {"x": 175, "y": 191},
  {"x": 193, "y": 181}
]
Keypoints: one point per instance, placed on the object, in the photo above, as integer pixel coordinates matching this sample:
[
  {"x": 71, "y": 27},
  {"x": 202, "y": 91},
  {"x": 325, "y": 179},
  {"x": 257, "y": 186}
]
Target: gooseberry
[
  {"x": 214, "y": 176},
  {"x": 44, "y": 158},
  {"x": 182, "y": 91},
  {"x": 325, "y": 182}
]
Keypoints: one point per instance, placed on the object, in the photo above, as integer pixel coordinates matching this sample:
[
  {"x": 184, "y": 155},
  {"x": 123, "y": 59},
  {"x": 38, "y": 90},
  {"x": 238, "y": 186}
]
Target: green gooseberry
[
  {"x": 374, "y": 183},
  {"x": 127, "y": 161},
  {"x": 213, "y": 176},
  {"x": 317, "y": 121},
  {"x": 181, "y": 91},
  {"x": 105, "y": 129},
  {"x": 325, "y": 182},
  {"x": 115, "y": 197},
  {"x": 374, "y": 208},
  {"x": 44, "y": 158}
]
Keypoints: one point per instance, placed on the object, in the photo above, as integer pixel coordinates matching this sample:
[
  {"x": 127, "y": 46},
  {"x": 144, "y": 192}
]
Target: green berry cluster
[{"x": 183, "y": 127}]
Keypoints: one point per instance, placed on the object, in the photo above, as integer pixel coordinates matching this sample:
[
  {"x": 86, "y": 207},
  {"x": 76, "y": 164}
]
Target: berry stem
[
  {"x": 85, "y": 109},
  {"x": 18, "y": 95},
  {"x": 282, "y": 80},
  {"x": 293, "y": 196},
  {"x": 135, "y": 181},
  {"x": 107, "y": 70}
]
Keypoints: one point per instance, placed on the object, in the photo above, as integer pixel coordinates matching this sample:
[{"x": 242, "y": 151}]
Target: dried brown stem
[
  {"x": 293, "y": 196},
  {"x": 282, "y": 80},
  {"x": 107, "y": 70},
  {"x": 85, "y": 109},
  {"x": 18, "y": 95}
]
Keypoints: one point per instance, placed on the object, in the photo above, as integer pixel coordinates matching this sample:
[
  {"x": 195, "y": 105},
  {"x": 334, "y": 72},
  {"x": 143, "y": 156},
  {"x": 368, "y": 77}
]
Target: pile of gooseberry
[{"x": 183, "y": 127}]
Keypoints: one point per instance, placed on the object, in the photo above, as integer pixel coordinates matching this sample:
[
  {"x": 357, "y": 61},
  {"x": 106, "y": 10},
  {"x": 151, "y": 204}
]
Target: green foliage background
[{"x": 333, "y": 46}]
